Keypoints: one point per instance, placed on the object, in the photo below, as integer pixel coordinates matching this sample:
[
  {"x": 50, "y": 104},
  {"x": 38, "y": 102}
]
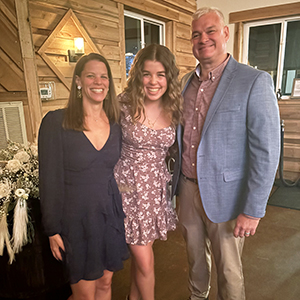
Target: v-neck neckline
[{"x": 98, "y": 150}]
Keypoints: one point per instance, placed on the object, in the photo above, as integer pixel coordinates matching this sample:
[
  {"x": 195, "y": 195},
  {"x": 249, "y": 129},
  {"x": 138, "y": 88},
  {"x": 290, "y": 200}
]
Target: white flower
[
  {"x": 20, "y": 193},
  {"x": 22, "y": 156},
  {"x": 35, "y": 173},
  {"x": 18, "y": 179},
  {"x": 27, "y": 168},
  {"x": 34, "y": 150},
  {"x": 13, "y": 165},
  {"x": 5, "y": 188},
  {"x": 14, "y": 147}
]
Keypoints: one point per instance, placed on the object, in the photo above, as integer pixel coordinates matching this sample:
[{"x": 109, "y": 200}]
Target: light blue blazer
[{"x": 239, "y": 150}]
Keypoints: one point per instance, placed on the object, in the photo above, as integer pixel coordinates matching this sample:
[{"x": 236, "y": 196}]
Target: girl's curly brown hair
[{"x": 171, "y": 100}]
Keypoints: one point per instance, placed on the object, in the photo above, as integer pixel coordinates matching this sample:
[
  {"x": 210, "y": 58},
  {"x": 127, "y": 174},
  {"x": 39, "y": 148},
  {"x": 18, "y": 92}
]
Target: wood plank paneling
[
  {"x": 290, "y": 113},
  {"x": 171, "y": 37},
  {"x": 111, "y": 52},
  {"x": 29, "y": 130},
  {"x": 185, "y": 5},
  {"x": 184, "y": 46},
  {"x": 177, "y": 10},
  {"x": 8, "y": 9},
  {"x": 11, "y": 77},
  {"x": 53, "y": 105},
  {"x": 43, "y": 17},
  {"x": 106, "y": 8},
  {"x": 68, "y": 28},
  {"x": 12, "y": 82},
  {"x": 268, "y": 12},
  {"x": 30, "y": 71},
  {"x": 186, "y": 60},
  {"x": 115, "y": 43},
  {"x": 38, "y": 40},
  {"x": 11, "y": 73},
  {"x": 292, "y": 166},
  {"x": 152, "y": 7},
  {"x": 115, "y": 68},
  {"x": 118, "y": 85},
  {"x": 61, "y": 91},
  {"x": 185, "y": 19},
  {"x": 14, "y": 96},
  {"x": 292, "y": 126},
  {"x": 98, "y": 31},
  {"x": 292, "y": 151},
  {"x": 121, "y": 86},
  {"x": 238, "y": 41},
  {"x": 43, "y": 69},
  {"x": 58, "y": 72},
  {"x": 292, "y": 138},
  {"x": 184, "y": 31},
  {"x": 65, "y": 68},
  {"x": 101, "y": 21},
  {"x": 291, "y": 176}
]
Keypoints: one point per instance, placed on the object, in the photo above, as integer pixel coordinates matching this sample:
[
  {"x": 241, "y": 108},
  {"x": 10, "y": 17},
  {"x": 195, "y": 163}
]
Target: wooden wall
[
  {"x": 13, "y": 63},
  {"x": 52, "y": 26},
  {"x": 290, "y": 113},
  {"x": 56, "y": 23},
  {"x": 102, "y": 23}
]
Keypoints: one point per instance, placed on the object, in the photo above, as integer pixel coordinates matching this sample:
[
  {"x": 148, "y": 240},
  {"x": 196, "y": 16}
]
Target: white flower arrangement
[{"x": 19, "y": 181}]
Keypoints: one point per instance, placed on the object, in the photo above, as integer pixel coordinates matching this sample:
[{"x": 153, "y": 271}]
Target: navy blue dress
[{"x": 80, "y": 199}]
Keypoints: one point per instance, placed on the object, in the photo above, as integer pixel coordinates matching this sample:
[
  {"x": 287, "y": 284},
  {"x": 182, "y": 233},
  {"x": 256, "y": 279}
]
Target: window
[
  {"x": 274, "y": 46},
  {"x": 140, "y": 31}
]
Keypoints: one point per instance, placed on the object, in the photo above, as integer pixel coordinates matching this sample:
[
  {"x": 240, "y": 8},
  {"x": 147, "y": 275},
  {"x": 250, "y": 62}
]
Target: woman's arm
[{"x": 51, "y": 170}]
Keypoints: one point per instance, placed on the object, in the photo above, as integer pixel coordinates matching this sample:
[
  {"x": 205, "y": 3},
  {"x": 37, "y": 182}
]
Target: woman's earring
[{"x": 79, "y": 94}]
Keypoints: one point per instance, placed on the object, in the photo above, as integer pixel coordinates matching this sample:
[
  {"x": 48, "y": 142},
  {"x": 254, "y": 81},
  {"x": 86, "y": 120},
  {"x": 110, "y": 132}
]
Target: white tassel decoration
[
  {"x": 4, "y": 238},
  {"x": 20, "y": 225}
]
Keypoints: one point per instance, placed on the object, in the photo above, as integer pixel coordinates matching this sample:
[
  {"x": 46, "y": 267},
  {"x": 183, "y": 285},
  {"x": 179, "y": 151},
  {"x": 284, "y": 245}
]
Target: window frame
[
  {"x": 282, "y": 44},
  {"x": 142, "y": 18}
]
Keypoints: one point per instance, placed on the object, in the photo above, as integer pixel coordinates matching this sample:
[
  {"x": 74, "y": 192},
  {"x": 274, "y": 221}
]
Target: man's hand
[
  {"x": 245, "y": 225},
  {"x": 56, "y": 243}
]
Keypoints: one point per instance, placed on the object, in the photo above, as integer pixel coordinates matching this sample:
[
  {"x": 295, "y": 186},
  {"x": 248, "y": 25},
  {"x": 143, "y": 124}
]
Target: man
[{"x": 230, "y": 149}]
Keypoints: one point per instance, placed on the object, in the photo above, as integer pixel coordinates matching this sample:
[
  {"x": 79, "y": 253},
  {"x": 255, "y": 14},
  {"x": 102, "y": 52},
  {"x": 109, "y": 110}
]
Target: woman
[
  {"x": 150, "y": 111},
  {"x": 81, "y": 205}
]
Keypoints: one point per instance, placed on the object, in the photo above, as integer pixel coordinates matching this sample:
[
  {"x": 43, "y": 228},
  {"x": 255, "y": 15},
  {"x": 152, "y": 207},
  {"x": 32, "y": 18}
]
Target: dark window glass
[
  {"x": 151, "y": 32},
  {"x": 263, "y": 49},
  {"x": 133, "y": 37},
  {"x": 132, "y": 40},
  {"x": 291, "y": 67}
]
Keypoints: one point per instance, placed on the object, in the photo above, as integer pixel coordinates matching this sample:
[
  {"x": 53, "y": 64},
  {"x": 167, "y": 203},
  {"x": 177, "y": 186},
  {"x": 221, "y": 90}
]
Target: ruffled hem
[
  {"x": 113, "y": 254},
  {"x": 148, "y": 230}
]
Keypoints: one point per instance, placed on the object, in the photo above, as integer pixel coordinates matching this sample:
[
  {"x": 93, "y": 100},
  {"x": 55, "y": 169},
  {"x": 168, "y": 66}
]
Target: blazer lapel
[{"x": 220, "y": 93}]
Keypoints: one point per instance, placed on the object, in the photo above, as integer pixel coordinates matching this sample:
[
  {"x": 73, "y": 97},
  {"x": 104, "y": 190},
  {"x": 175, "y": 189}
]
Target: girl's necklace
[{"x": 152, "y": 123}]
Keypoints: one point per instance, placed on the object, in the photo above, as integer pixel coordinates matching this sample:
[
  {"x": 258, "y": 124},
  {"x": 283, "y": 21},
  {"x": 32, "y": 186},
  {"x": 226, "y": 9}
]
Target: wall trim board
[{"x": 268, "y": 12}]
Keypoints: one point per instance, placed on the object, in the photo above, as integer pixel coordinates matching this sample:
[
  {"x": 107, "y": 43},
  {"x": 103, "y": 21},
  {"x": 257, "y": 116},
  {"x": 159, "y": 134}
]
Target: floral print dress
[{"x": 142, "y": 177}]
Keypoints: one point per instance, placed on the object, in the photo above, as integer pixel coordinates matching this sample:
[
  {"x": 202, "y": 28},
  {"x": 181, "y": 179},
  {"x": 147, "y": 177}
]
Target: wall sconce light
[{"x": 76, "y": 53}]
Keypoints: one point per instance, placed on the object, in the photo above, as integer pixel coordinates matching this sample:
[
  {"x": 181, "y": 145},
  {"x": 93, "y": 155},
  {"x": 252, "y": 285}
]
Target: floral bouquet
[{"x": 19, "y": 180}]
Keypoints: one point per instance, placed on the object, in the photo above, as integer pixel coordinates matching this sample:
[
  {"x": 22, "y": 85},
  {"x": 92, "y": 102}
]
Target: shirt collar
[{"x": 215, "y": 73}]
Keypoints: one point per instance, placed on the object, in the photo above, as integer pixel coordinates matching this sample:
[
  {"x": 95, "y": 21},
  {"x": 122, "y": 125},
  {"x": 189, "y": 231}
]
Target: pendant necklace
[{"x": 152, "y": 123}]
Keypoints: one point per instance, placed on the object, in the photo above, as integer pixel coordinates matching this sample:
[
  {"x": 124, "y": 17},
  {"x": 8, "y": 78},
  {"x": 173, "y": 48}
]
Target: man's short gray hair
[{"x": 205, "y": 10}]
